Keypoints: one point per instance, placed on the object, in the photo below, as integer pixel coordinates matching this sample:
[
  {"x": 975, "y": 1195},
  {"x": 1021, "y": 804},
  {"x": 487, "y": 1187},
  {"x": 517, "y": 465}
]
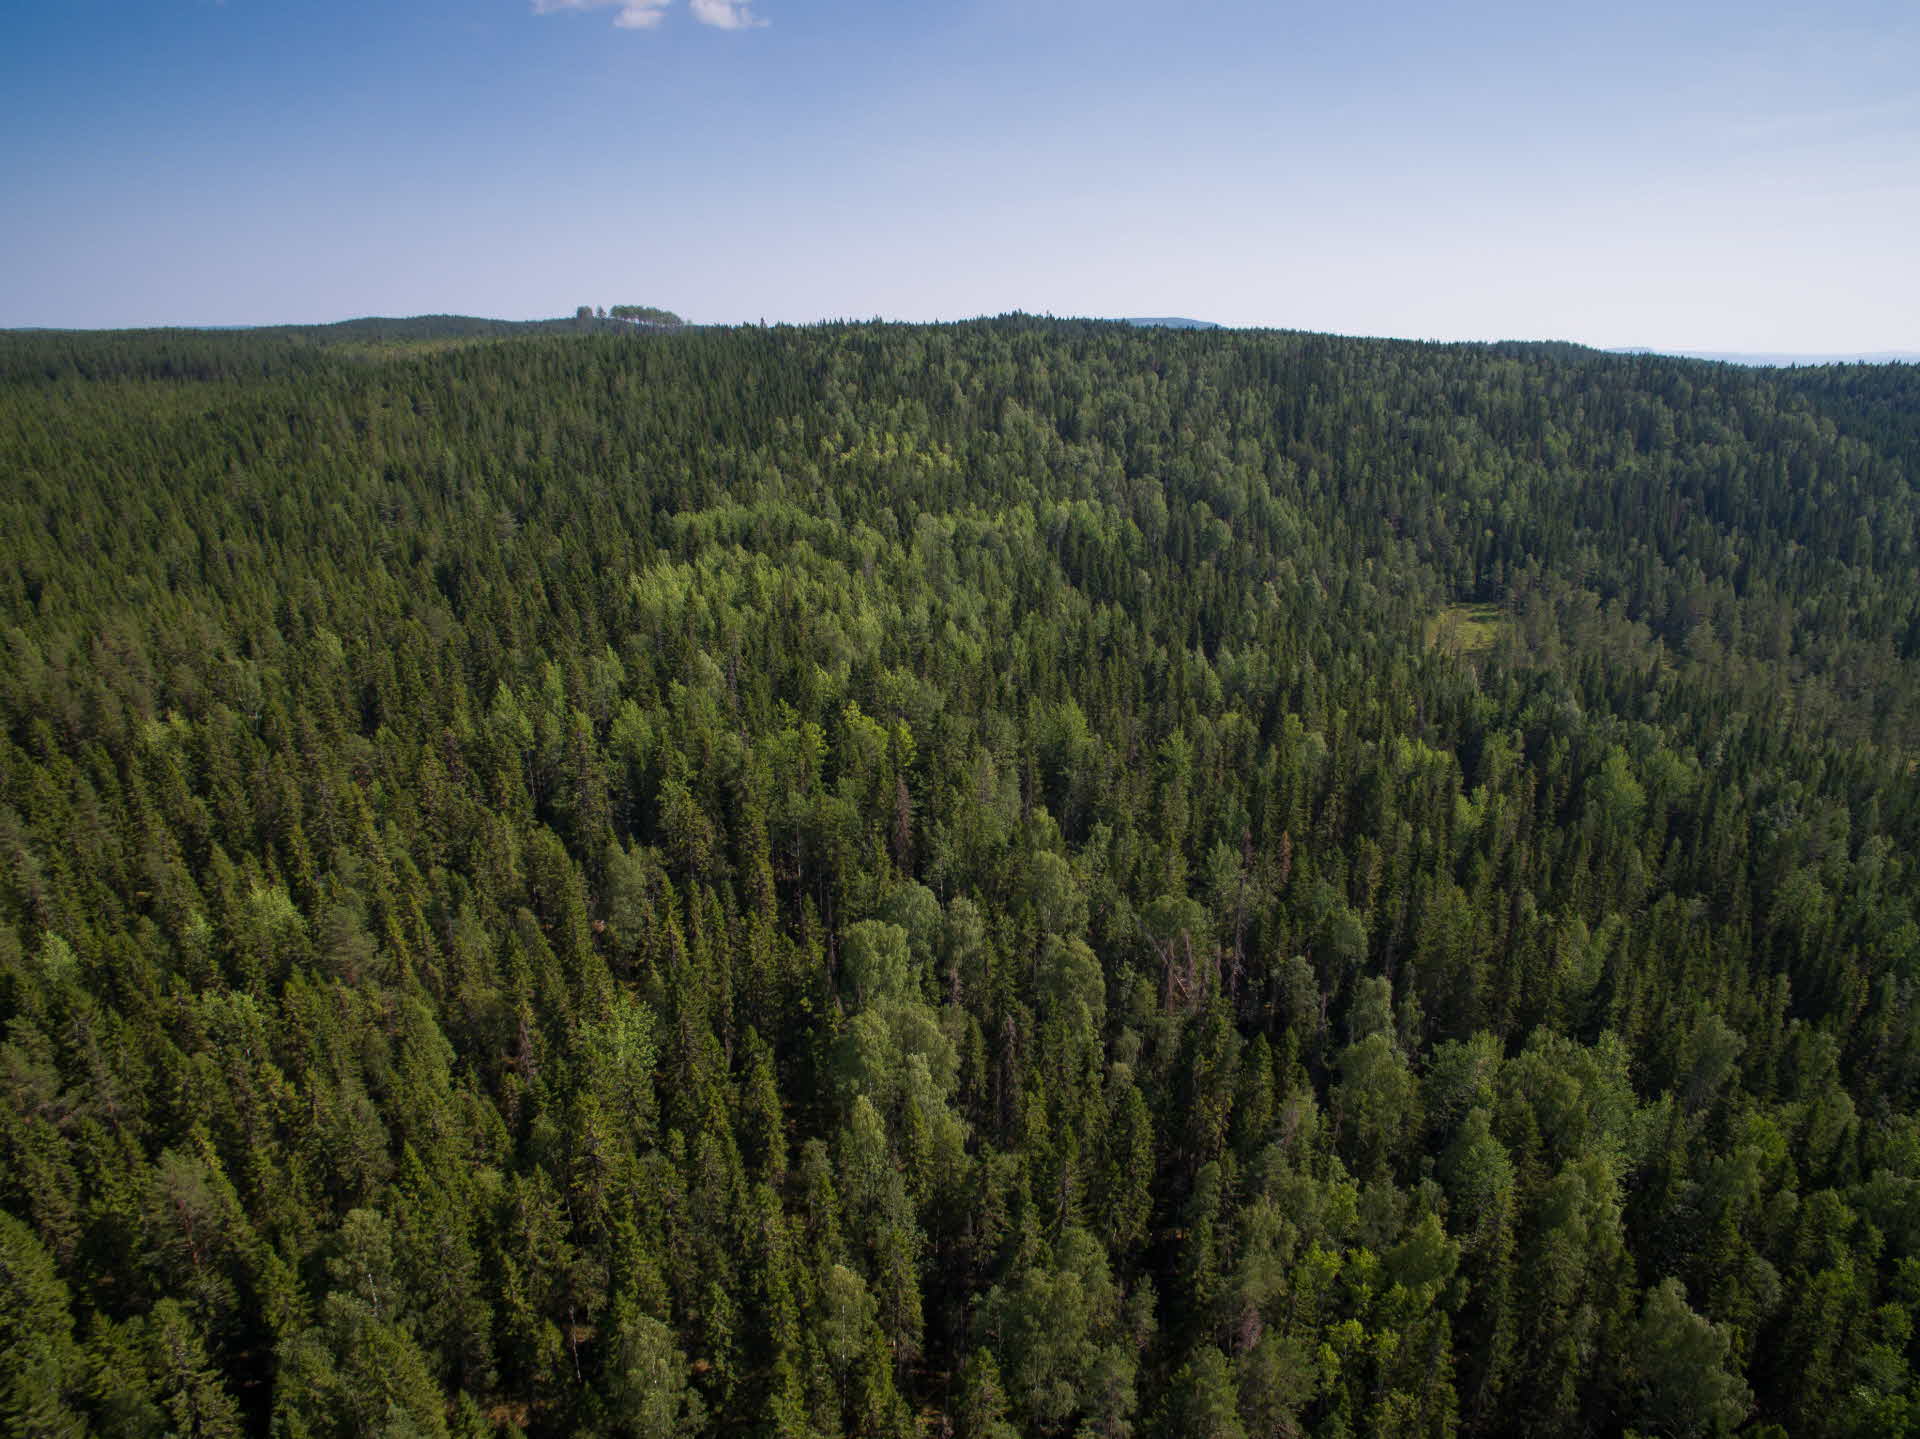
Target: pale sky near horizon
[{"x": 1675, "y": 175}]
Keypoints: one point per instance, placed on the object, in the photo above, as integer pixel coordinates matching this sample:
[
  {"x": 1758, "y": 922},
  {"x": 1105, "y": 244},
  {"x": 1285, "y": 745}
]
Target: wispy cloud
[
  {"x": 726, "y": 14},
  {"x": 640, "y": 14},
  {"x": 632, "y": 14},
  {"x": 647, "y": 14}
]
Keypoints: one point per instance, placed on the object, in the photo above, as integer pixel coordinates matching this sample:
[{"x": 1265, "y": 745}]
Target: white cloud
[
  {"x": 647, "y": 14},
  {"x": 726, "y": 14},
  {"x": 641, "y": 14}
]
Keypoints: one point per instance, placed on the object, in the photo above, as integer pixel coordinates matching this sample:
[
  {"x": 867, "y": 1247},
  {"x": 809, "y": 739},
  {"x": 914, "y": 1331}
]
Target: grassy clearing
[{"x": 1466, "y": 630}]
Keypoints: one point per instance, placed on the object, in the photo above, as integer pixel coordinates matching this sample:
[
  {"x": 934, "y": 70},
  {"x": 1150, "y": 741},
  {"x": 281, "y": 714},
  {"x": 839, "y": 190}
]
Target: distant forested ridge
[
  {"x": 189, "y": 352},
  {"x": 1759, "y": 357},
  {"x": 1023, "y": 878}
]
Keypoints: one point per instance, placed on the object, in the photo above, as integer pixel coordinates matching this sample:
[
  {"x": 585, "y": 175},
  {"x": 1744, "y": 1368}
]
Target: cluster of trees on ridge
[
  {"x": 643, "y": 314},
  {"x": 878, "y": 880}
]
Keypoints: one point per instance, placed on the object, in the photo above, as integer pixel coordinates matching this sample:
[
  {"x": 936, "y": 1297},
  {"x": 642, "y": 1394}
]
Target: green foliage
[
  {"x": 613, "y": 878},
  {"x": 1678, "y": 1377},
  {"x": 45, "y": 1370},
  {"x": 646, "y": 1390}
]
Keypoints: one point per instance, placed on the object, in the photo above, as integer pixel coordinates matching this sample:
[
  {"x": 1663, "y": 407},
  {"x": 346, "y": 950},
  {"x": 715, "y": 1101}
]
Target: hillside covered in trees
[{"x": 1013, "y": 879}]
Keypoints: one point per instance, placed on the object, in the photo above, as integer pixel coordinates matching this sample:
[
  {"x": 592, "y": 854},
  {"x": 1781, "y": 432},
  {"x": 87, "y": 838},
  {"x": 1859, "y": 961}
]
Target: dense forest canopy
[{"x": 1021, "y": 878}]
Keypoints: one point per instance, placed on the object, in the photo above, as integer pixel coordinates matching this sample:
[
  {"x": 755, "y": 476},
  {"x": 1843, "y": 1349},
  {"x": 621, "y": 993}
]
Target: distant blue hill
[{"x": 1171, "y": 322}]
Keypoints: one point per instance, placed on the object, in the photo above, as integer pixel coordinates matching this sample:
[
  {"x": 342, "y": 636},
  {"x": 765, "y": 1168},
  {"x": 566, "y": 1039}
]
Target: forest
[{"x": 1007, "y": 880}]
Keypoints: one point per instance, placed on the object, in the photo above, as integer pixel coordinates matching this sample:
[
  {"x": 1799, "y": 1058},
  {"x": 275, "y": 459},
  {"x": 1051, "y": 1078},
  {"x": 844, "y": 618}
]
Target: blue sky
[{"x": 1685, "y": 175}]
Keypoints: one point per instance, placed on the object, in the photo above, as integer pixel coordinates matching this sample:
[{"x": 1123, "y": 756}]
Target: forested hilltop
[{"x": 1014, "y": 879}]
